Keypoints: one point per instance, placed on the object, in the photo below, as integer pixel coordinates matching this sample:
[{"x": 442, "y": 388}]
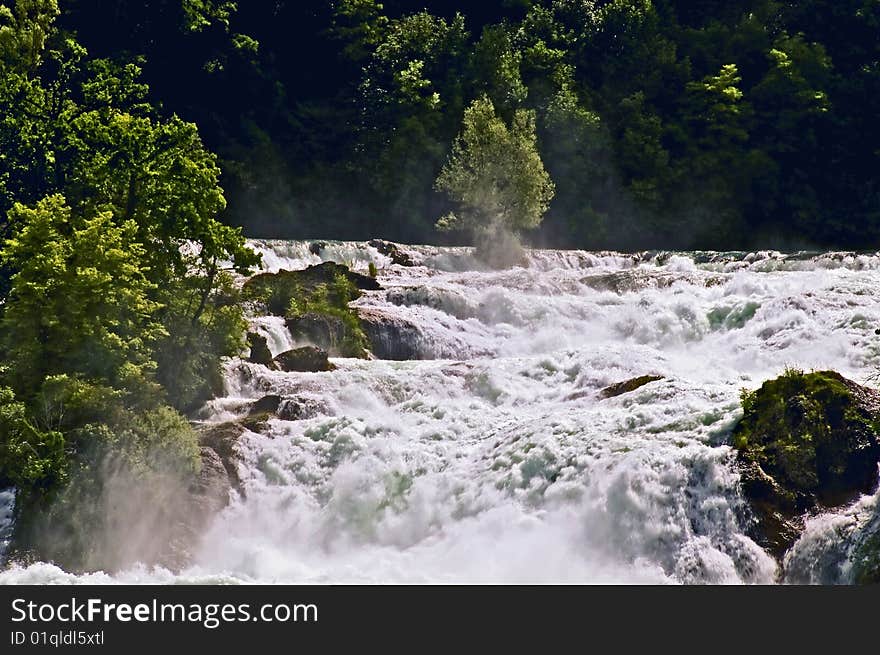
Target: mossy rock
[
  {"x": 316, "y": 303},
  {"x": 628, "y": 386},
  {"x": 276, "y": 290},
  {"x": 339, "y": 333},
  {"x": 806, "y": 441}
]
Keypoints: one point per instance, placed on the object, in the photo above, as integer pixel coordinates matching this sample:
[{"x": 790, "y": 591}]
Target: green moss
[
  {"x": 333, "y": 301},
  {"x": 806, "y": 442},
  {"x": 323, "y": 291},
  {"x": 811, "y": 433},
  {"x": 275, "y": 291}
]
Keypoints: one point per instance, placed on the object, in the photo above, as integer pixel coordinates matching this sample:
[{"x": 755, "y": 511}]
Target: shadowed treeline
[{"x": 662, "y": 123}]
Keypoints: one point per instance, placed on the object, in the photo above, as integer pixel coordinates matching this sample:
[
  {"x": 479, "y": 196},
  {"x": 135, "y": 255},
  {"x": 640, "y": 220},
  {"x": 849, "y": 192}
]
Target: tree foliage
[
  {"x": 711, "y": 124},
  {"x": 495, "y": 175},
  {"x": 116, "y": 303}
]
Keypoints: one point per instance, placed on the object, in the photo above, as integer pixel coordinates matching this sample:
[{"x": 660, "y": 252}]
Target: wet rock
[
  {"x": 325, "y": 274},
  {"x": 210, "y": 491},
  {"x": 299, "y": 409},
  {"x": 316, "y": 247},
  {"x": 260, "y": 353},
  {"x": 628, "y": 386},
  {"x": 303, "y": 360},
  {"x": 223, "y": 439},
  {"x": 275, "y": 291},
  {"x": 323, "y": 330},
  {"x": 806, "y": 442},
  {"x": 392, "y": 337},
  {"x": 265, "y": 405},
  {"x": 188, "y": 517},
  {"x": 393, "y": 251}
]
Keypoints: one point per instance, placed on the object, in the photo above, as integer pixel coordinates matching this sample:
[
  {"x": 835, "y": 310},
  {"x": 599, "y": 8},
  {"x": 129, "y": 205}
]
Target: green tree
[
  {"x": 24, "y": 31},
  {"x": 497, "y": 64},
  {"x": 360, "y": 25},
  {"x": 80, "y": 302},
  {"x": 495, "y": 176},
  {"x": 411, "y": 96},
  {"x": 29, "y": 457},
  {"x": 86, "y": 129},
  {"x": 715, "y": 124}
]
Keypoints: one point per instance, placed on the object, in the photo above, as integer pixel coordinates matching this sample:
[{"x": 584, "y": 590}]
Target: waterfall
[{"x": 478, "y": 447}]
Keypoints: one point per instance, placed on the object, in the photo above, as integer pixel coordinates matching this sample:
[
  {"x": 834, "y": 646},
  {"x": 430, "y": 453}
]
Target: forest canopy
[{"x": 662, "y": 123}]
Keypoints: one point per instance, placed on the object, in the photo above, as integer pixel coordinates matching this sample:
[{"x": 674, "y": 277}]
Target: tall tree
[{"x": 495, "y": 176}]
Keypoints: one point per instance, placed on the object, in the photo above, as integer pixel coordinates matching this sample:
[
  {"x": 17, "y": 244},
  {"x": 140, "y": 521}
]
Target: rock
[
  {"x": 391, "y": 337},
  {"x": 175, "y": 533},
  {"x": 621, "y": 282},
  {"x": 308, "y": 279},
  {"x": 222, "y": 439},
  {"x": 260, "y": 353},
  {"x": 325, "y": 274},
  {"x": 265, "y": 405},
  {"x": 303, "y": 360},
  {"x": 299, "y": 409},
  {"x": 339, "y": 337},
  {"x": 210, "y": 491},
  {"x": 629, "y": 385},
  {"x": 393, "y": 251},
  {"x": 316, "y": 247},
  {"x": 322, "y": 330},
  {"x": 806, "y": 442},
  {"x": 275, "y": 291}
]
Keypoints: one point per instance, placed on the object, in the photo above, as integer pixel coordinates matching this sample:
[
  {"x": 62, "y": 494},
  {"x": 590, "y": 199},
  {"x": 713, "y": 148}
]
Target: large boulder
[
  {"x": 325, "y": 331},
  {"x": 210, "y": 490},
  {"x": 265, "y": 405},
  {"x": 316, "y": 304},
  {"x": 392, "y": 337},
  {"x": 300, "y": 409},
  {"x": 277, "y": 289},
  {"x": 393, "y": 251},
  {"x": 806, "y": 442},
  {"x": 260, "y": 353},
  {"x": 222, "y": 438},
  {"x": 303, "y": 360}
]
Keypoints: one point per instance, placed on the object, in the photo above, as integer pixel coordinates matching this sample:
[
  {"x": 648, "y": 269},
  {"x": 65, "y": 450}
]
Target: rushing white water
[{"x": 493, "y": 458}]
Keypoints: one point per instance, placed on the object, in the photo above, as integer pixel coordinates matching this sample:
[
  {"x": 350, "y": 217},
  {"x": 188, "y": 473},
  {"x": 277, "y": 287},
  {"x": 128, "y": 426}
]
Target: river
[{"x": 492, "y": 457}]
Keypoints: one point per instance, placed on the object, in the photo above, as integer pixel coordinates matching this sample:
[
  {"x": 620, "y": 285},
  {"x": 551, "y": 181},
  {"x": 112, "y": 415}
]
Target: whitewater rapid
[{"x": 493, "y": 457}]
